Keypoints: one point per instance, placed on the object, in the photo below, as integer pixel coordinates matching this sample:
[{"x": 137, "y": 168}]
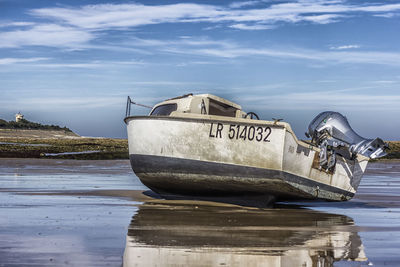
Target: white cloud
[
  {"x": 387, "y": 15},
  {"x": 384, "y": 58},
  {"x": 181, "y": 42},
  {"x": 325, "y": 100},
  {"x": 90, "y": 65},
  {"x": 17, "y": 24},
  {"x": 67, "y": 102},
  {"x": 243, "y": 4},
  {"x": 226, "y": 49},
  {"x": 242, "y": 26},
  {"x": 45, "y": 35},
  {"x": 343, "y": 47},
  {"x": 106, "y": 16},
  {"x": 76, "y": 27},
  {"x": 79, "y": 26},
  {"x": 164, "y": 83},
  {"x": 378, "y": 8},
  {"x": 323, "y": 19},
  {"x": 384, "y": 82},
  {"x": 128, "y": 15},
  {"x": 330, "y": 57},
  {"x": 120, "y": 47},
  {"x": 9, "y": 61},
  {"x": 248, "y": 52}
]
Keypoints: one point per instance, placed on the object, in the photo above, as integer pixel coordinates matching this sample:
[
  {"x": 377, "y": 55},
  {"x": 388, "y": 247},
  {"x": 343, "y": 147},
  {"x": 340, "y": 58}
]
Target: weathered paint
[
  {"x": 277, "y": 164},
  {"x": 179, "y": 138}
]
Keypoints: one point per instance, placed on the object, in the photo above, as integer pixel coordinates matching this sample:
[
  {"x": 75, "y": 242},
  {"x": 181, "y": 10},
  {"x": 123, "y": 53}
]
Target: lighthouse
[{"x": 19, "y": 117}]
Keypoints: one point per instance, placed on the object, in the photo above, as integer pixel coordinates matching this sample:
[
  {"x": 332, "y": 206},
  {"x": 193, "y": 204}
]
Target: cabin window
[
  {"x": 220, "y": 109},
  {"x": 164, "y": 110}
]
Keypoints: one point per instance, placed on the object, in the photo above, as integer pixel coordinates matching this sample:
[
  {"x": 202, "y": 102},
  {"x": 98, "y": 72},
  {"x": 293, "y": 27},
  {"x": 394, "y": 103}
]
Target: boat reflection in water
[{"x": 209, "y": 234}]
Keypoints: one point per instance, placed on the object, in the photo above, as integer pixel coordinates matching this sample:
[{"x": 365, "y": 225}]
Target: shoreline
[
  {"x": 89, "y": 148},
  {"x": 96, "y": 148}
]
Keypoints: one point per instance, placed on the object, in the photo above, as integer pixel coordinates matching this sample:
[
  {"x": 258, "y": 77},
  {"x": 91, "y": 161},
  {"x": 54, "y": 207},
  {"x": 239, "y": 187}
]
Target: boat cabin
[{"x": 206, "y": 104}]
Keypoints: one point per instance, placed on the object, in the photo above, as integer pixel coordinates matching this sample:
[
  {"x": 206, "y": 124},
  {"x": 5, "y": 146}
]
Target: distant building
[{"x": 19, "y": 117}]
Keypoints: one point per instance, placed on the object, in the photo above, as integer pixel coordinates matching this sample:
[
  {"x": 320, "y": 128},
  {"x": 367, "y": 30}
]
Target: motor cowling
[{"x": 332, "y": 133}]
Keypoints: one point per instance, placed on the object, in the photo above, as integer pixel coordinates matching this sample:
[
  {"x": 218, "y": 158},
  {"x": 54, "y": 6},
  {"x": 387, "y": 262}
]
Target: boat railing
[{"x": 129, "y": 103}]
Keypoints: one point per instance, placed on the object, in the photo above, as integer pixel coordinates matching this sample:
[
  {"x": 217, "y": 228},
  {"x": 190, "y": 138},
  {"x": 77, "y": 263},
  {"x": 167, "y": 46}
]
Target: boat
[{"x": 205, "y": 145}]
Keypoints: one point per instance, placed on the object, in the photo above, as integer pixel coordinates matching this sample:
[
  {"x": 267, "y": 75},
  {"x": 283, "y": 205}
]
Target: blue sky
[{"x": 74, "y": 62}]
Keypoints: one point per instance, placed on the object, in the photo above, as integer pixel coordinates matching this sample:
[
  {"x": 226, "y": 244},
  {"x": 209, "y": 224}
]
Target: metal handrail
[{"x": 129, "y": 102}]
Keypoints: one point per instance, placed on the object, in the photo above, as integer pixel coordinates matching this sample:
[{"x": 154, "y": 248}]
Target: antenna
[{"x": 129, "y": 102}]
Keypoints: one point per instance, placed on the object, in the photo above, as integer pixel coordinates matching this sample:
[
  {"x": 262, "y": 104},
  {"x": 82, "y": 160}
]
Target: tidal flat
[
  {"x": 90, "y": 148},
  {"x": 59, "y": 212},
  {"x": 64, "y": 148}
]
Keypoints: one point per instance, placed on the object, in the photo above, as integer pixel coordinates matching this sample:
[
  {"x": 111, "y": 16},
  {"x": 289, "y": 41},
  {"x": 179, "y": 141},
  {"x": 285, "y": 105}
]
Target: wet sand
[{"x": 97, "y": 213}]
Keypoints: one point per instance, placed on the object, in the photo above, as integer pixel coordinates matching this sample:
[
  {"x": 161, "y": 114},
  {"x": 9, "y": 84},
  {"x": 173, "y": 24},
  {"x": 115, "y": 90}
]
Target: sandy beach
[{"x": 56, "y": 212}]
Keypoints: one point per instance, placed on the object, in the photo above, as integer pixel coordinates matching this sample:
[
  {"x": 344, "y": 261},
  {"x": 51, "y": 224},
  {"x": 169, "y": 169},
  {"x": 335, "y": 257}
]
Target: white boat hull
[{"x": 201, "y": 155}]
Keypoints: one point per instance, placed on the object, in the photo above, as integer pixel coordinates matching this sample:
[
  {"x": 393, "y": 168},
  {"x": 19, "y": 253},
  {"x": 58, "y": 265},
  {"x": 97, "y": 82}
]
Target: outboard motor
[{"x": 331, "y": 132}]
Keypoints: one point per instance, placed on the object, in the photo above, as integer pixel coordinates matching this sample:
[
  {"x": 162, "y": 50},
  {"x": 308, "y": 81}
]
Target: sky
[{"x": 73, "y": 63}]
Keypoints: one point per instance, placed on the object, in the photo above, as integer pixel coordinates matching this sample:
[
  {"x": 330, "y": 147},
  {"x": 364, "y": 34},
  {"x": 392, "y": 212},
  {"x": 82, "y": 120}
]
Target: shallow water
[
  {"x": 89, "y": 213},
  {"x": 71, "y": 153}
]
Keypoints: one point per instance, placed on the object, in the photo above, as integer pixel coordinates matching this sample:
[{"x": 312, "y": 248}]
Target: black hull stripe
[{"x": 160, "y": 164}]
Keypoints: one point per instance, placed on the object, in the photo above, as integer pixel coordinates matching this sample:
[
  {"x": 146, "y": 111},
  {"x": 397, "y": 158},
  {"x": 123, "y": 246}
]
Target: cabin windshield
[
  {"x": 220, "y": 109},
  {"x": 164, "y": 110}
]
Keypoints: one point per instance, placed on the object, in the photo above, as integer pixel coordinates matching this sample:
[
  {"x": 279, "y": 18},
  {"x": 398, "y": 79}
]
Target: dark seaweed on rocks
[{"x": 107, "y": 148}]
